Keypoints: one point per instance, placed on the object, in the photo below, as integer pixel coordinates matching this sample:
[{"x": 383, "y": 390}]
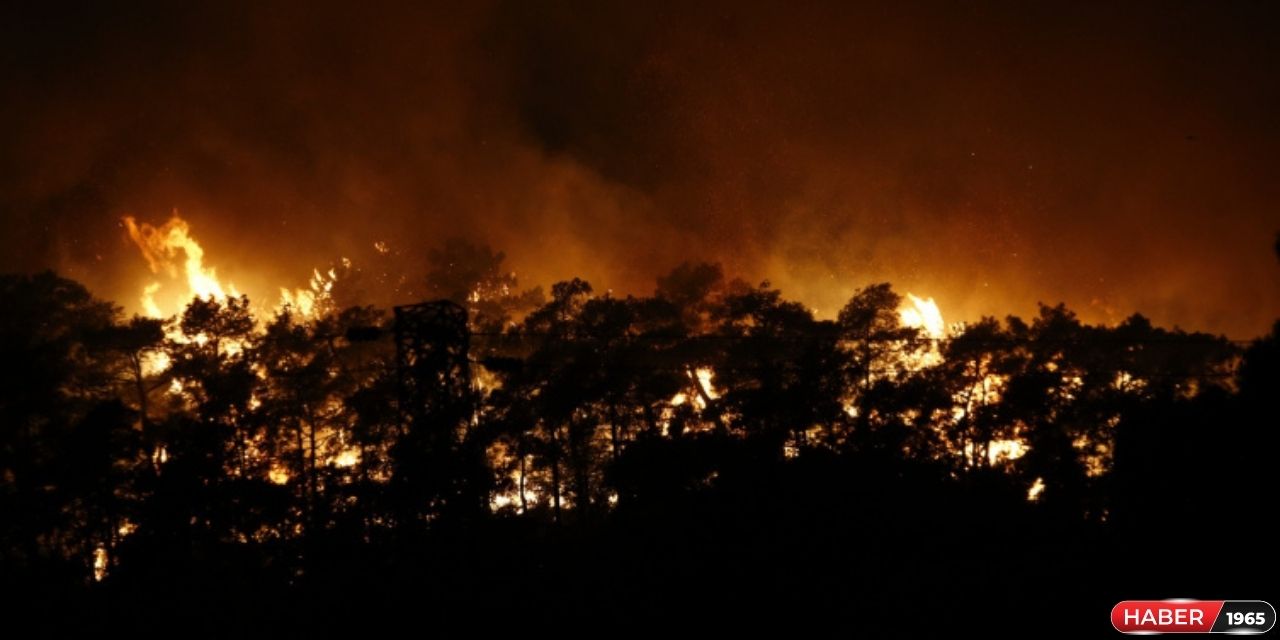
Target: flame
[
  {"x": 316, "y": 298},
  {"x": 999, "y": 451},
  {"x": 278, "y": 474},
  {"x": 171, "y": 250},
  {"x": 161, "y": 246},
  {"x": 923, "y": 314},
  {"x": 705, "y": 376},
  {"x": 99, "y": 563},
  {"x": 503, "y": 454},
  {"x": 1037, "y": 488},
  {"x": 149, "y": 305},
  {"x": 159, "y": 456},
  {"x": 348, "y": 457},
  {"x": 701, "y": 381}
]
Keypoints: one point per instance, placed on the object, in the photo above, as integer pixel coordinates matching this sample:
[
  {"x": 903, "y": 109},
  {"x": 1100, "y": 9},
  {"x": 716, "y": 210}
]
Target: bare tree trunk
[
  {"x": 697, "y": 384},
  {"x": 555, "y": 471},
  {"x": 136, "y": 360},
  {"x": 524, "y": 501},
  {"x": 652, "y": 419},
  {"x": 240, "y": 447},
  {"x": 302, "y": 472},
  {"x": 866, "y": 365},
  {"x": 613, "y": 432},
  {"x": 581, "y": 473},
  {"x": 311, "y": 475}
]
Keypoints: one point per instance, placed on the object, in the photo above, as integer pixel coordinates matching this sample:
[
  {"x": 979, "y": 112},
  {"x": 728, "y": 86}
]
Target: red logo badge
[{"x": 1193, "y": 616}]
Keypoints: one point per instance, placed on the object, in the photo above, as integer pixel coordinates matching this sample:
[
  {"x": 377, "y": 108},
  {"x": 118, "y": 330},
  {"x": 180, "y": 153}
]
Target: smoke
[{"x": 1117, "y": 159}]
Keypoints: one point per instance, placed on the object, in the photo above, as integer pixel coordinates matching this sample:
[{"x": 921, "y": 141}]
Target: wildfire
[
  {"x": 1037, "y": 488},
  {"x": 346, "y": 458},
  {"x": 278, "y": 474},
  {"x": 171, "y": 250},
  {"x": 705, "y": 376},
  {"x": 161, "y": 246},
  {"x": 923, "y": 314},
  {"x": 702, "y": 388},
  {"x": 100, "y": 561},
  {"x": 316, "y": 298},
  {"x": 998, "y": 451}
]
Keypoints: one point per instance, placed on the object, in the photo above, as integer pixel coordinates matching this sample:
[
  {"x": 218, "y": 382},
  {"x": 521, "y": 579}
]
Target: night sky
[{"x": 991, "y": 155}]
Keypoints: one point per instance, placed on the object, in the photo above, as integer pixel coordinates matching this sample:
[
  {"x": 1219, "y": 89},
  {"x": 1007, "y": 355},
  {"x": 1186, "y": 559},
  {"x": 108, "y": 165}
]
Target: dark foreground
[{"x": 803, "y": 549}]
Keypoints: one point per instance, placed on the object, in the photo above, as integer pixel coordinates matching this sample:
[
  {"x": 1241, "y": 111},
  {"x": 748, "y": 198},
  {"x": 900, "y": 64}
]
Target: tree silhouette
[
  {"x": 710, "y": 449},
  {"x": 138, "y": 342},
  {"x": 51, "y": 378}
]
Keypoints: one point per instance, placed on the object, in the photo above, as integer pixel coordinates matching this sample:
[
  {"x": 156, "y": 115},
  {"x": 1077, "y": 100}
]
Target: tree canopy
[{"x": 707, "y": 448}]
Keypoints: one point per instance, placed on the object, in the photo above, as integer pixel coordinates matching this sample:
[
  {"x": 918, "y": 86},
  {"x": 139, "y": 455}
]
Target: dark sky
[{"x": 1118, "y": 158}]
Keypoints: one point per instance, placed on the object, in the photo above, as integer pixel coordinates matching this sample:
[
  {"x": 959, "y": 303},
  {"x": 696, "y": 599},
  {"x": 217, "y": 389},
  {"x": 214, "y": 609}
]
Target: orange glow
[
  {"x": 349, "y": 457},
  {"x": 100, "y": 559},
  {"x": 923, "y": 314},
  {"x": 1037, "y": 488},
  {"x": 278, "y": 474},
  {"x": 173, "y": 254},
  {"x": 705, "y": 376},
  {"x": 999, "y": 451},
  {"x": 161, "y": 247},
  {"x": 159, "y": 456},
  {"x": 702, "y": 389},
  {"x": 316, "y": 298}
]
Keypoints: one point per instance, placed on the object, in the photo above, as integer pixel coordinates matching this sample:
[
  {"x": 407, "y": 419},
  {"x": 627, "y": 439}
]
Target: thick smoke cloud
[{"x": 1117, "y": 159}]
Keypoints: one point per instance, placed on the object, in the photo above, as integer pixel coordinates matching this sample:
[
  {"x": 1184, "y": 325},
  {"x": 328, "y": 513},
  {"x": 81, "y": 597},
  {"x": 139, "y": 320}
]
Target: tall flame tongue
[
  {"x": 923, "y": 314},
  {"x": 171, "y": 250},
  {"x": 161, "y": 246}
]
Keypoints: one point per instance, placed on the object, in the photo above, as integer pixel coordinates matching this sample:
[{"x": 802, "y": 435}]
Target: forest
[{"x": 505, "y": 457}]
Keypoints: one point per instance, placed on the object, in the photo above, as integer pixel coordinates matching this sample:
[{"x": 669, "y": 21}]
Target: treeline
[{"x": 709, "y": 432}]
